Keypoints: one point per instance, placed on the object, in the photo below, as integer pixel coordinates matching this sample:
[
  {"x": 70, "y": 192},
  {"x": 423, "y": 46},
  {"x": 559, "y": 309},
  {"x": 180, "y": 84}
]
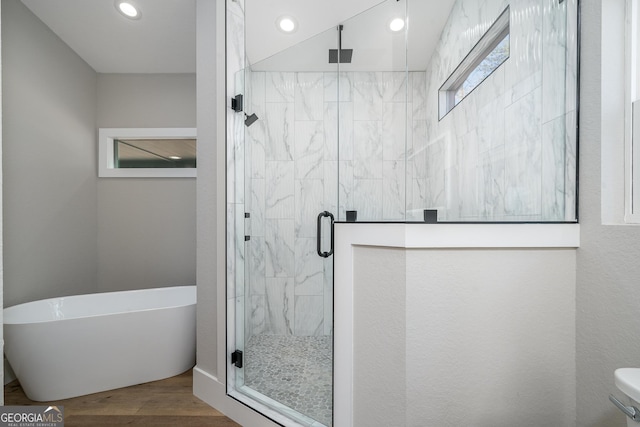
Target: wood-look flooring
[{"x": 168, "y": 402}]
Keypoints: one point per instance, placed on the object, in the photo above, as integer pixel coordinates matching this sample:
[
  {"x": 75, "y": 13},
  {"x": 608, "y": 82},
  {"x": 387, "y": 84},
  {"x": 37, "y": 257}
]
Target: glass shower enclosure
[{"x": 344, "y": 121}]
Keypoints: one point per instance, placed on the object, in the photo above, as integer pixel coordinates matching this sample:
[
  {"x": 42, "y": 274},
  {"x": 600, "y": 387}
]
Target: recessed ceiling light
[
  {"x": 128, "y": 9},
  {"x": 175, "y": 157},
  {"x": 287, "y": 24},
  {"x": 396, "y": 24}
]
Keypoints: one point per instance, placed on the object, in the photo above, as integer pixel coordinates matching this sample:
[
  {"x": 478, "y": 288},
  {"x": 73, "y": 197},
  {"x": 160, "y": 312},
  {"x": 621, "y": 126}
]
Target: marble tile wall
[
  {"x": 507, "y": 151},
  {"x": 297, "y": 170}
]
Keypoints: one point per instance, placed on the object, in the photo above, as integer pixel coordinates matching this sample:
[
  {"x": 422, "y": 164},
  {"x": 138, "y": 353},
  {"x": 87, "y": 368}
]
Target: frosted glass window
[
  {"x": 488, "y": 65},
  {"x": 491, "y": 51}
]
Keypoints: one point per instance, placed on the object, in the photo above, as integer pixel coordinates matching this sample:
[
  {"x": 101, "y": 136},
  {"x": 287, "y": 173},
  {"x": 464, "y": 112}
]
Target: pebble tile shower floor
[{"x": 295, "y": 371}]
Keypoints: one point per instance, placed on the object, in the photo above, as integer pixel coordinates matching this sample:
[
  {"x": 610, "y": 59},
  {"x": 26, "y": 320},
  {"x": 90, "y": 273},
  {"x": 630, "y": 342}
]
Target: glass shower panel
[
  {"x": 483, "y": 161},
  {"x": 235, "y": 189},
  {"x": 290, "y": 177},
  {"x": 374, "y": 111}
]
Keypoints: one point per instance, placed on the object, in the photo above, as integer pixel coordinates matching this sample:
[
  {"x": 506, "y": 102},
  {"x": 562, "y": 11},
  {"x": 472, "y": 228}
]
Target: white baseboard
[{"x": 207, "y": 388}]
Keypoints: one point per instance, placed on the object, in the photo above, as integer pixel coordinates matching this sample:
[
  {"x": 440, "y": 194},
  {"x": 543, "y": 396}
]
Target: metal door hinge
[
  {"x": 236, "y": 358},
  {"x": 236, "y": 103}
]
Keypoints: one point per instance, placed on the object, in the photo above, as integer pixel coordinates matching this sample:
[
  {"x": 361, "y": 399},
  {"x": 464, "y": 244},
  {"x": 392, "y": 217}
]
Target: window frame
[
  {"x": 106, "y": 141},
  {"x": 632, "y": 114},
  {"x": 497, "y": 32}
]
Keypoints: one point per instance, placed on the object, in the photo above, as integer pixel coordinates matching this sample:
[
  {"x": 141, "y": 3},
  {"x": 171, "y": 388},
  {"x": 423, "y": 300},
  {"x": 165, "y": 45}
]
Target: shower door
[
  {"x": 308, "y": 148},
  {"x": 284, "y": 297}
]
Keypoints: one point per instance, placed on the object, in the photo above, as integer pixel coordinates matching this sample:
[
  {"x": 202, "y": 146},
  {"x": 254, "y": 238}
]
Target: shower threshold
[{"x": 278, "y": 407}]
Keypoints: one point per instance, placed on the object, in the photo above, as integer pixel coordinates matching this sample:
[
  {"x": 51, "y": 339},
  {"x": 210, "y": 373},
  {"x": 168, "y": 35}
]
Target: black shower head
[
  {"x": 250, "y": 119},
  {"x": 345, "y": 56},
  {"x": 340, "y": 55}
]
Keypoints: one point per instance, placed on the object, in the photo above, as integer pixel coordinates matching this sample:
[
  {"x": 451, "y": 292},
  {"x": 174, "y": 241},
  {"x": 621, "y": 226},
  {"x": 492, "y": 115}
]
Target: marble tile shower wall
[
  {"x": 296, "y": 171},
  {"x": 507, "y": 151}
]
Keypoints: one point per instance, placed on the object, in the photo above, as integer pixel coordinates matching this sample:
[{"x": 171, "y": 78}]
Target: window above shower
[{"x": 484, "y": 58}]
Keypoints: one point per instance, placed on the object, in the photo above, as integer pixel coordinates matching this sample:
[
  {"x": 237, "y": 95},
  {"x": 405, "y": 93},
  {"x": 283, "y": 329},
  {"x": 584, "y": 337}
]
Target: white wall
[
  {"x": 146, "y": 100},
  {"x": 464, "y": 337},
  {"x": 49, "y": 138},
  {"x": 146, "y": 227},
  {"x": 211, "y": 260},
  {"x": 209, "y": 382},
  {"x": 67, "y": 231},
  {"x": 608, "y": 297},
  {"x": 380, "y": 337}
]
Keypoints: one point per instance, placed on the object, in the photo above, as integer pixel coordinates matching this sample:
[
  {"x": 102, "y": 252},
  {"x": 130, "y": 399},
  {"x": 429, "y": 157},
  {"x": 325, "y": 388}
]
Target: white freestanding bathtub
[{"x": 72, "y": 346}]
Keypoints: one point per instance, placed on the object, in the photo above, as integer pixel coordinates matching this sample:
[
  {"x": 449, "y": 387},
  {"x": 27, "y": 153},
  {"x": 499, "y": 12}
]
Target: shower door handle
[{"x": 319, "y": 234}]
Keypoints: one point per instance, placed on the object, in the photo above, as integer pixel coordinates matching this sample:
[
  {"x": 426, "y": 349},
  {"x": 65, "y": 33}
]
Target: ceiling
[
  {"x": 164, "y": 39},
  {"x": 264, "y": 40},
  {"x": 365, "y": 30}
]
